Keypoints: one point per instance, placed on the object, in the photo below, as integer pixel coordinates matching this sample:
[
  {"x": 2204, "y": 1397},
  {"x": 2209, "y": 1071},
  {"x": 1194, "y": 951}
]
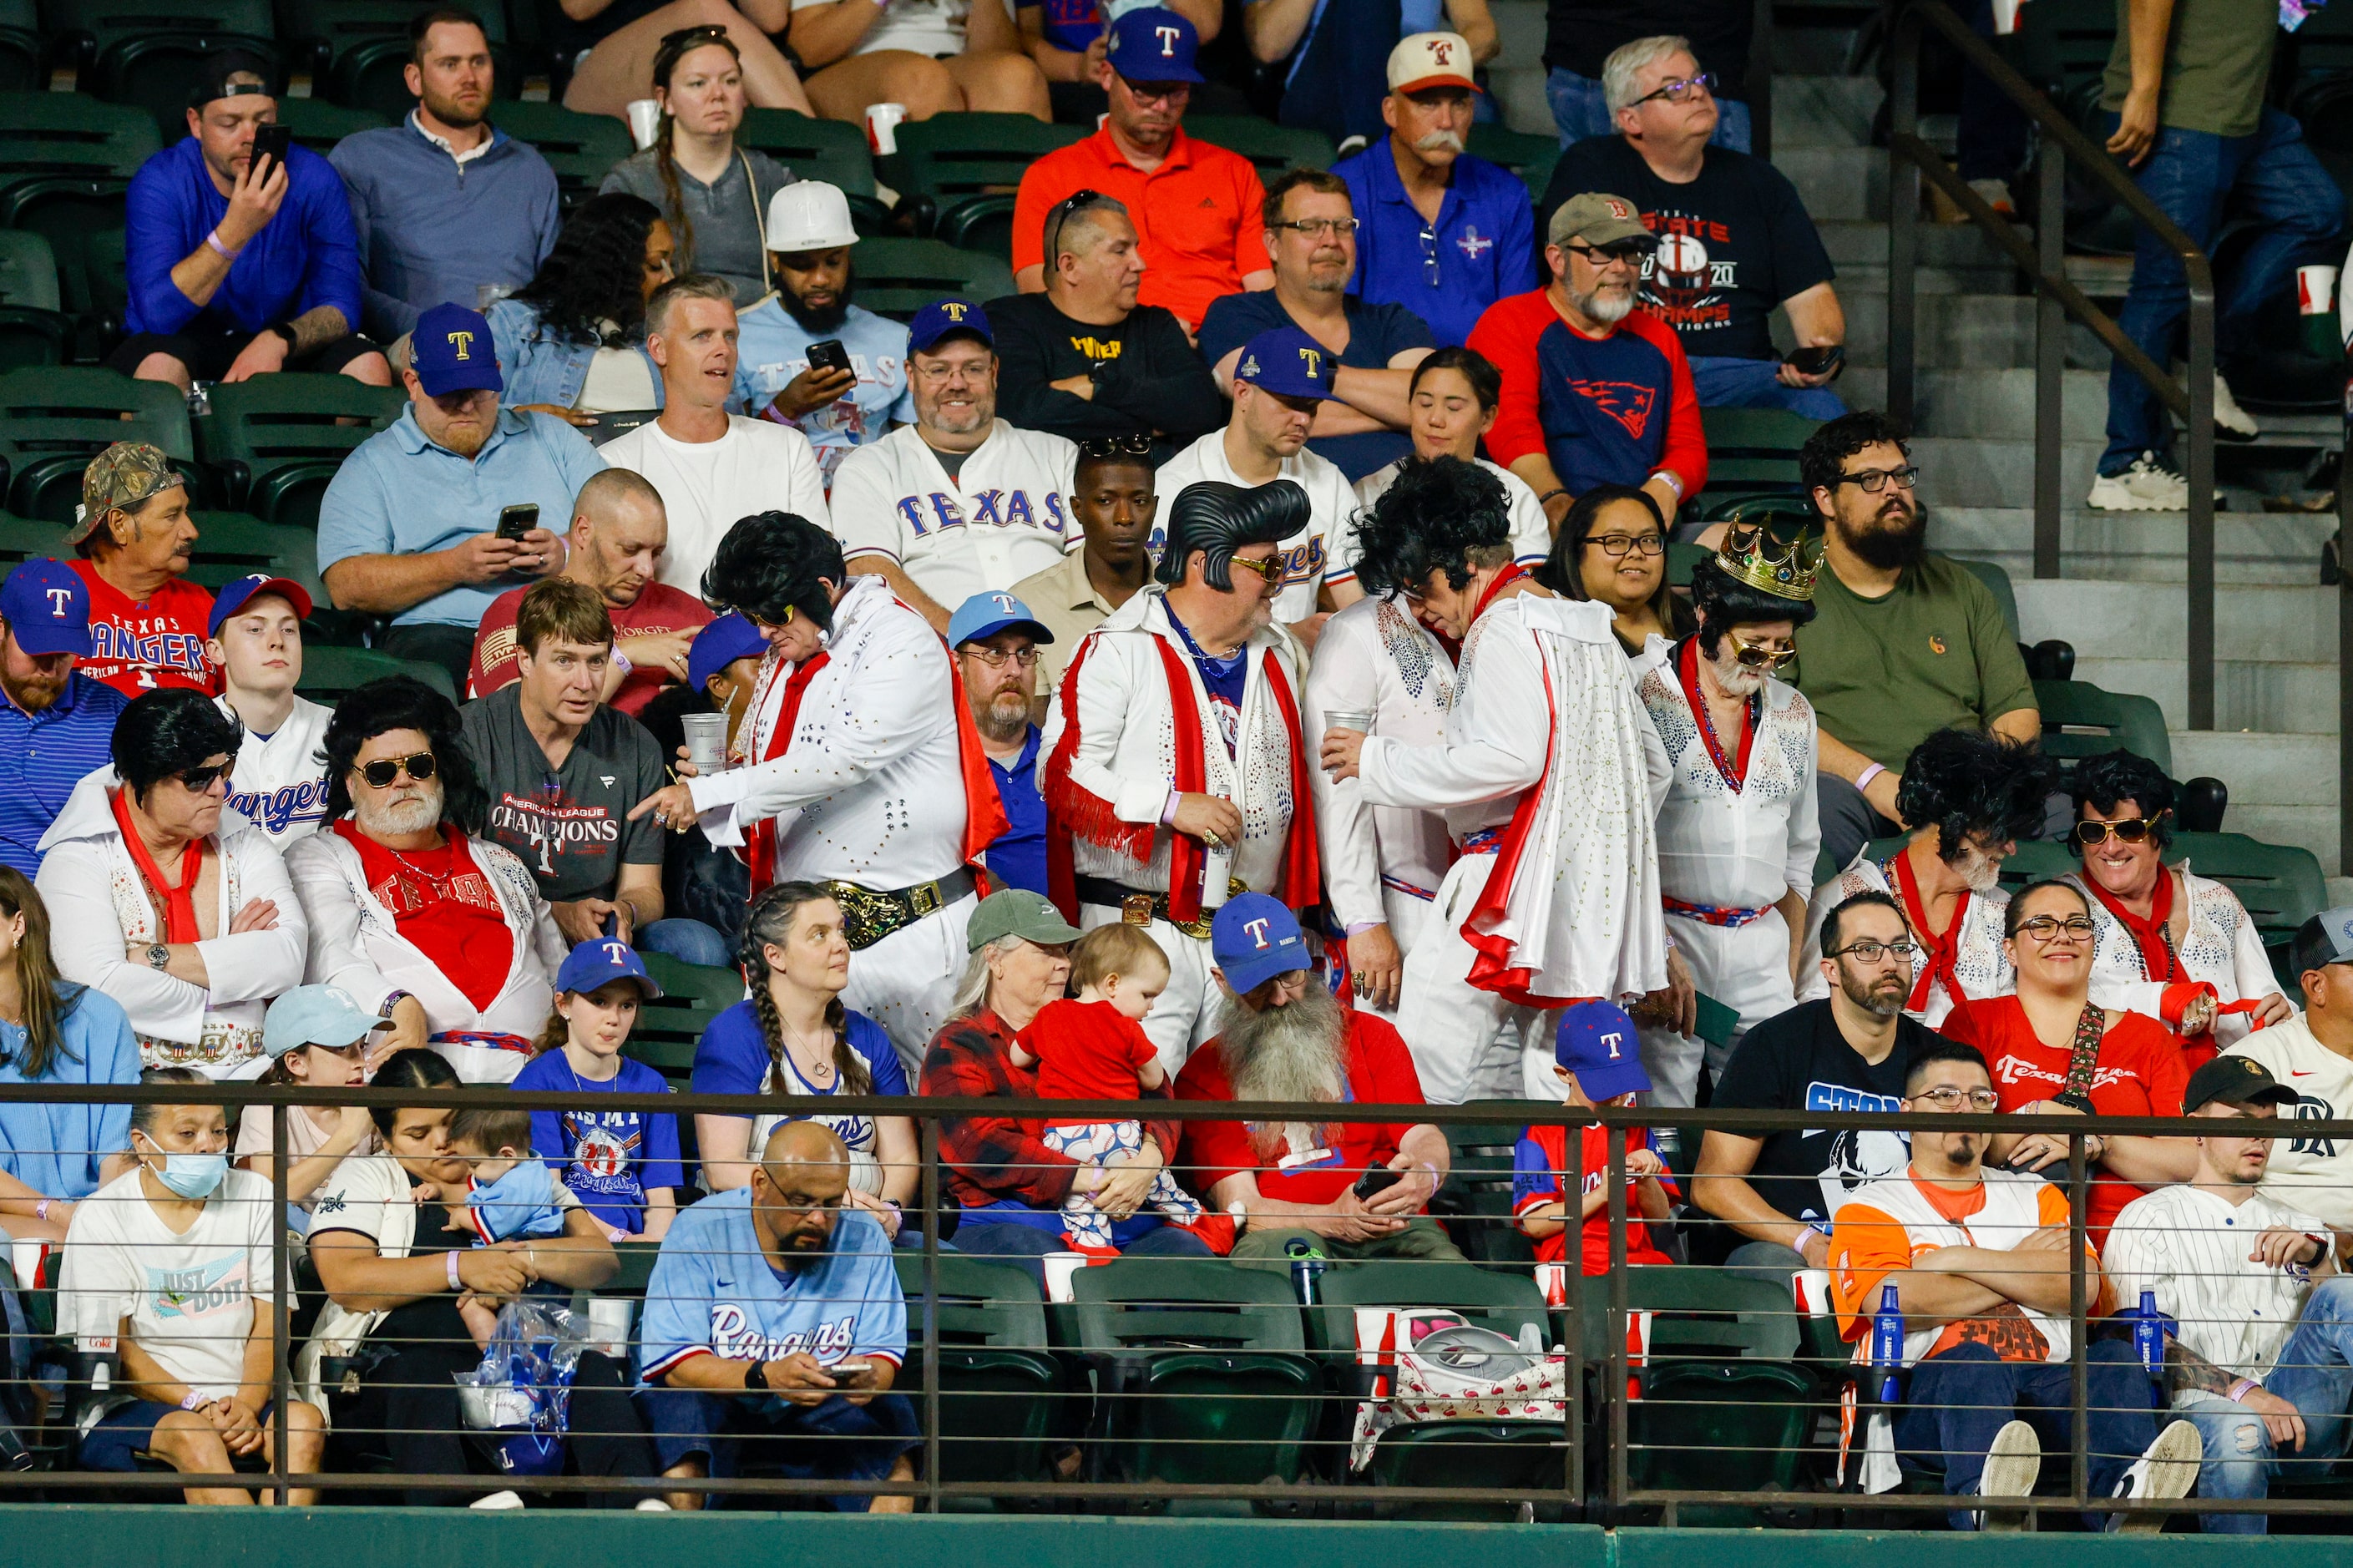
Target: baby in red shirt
[{"x": 1095, "y": 1047}]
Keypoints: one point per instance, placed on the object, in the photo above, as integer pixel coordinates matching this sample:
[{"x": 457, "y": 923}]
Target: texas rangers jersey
[
  {"x": 1331, "y": 505},
  {"x": 279, "y": 780},
  {"x": 1001, "y": 519},
  {"x": 2315, "y": 1175}
]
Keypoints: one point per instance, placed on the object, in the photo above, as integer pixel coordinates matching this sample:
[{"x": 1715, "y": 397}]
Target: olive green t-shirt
[
  {"x": 1882, "y": 674},
  {"x": 2218, "y": 60}
]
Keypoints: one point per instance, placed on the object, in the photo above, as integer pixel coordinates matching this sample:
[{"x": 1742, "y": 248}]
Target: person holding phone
[{"x": 239, "y": 253}]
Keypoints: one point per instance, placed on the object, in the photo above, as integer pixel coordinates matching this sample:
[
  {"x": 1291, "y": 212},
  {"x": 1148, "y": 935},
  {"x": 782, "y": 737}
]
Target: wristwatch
[
  {"x": 384, "y": 1009},
  {"x": 159, "y": 956},
  {"x": 756, "y": 1376}
]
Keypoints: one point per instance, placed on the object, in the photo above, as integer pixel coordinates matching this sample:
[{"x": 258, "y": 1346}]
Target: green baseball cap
[
  {"x": 124, "y": 475},
  {"x": 1017, "y": 911}
]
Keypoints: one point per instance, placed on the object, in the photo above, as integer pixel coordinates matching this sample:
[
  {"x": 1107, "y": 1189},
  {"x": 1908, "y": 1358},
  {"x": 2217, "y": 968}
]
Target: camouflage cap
[{"x": 124, "y": 475}]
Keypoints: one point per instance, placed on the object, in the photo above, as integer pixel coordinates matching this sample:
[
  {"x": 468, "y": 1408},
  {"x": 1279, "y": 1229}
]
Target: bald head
[
  {"x": 796, "y": 1191},
  {"x": 805, "y": 1143},
  {"x": 619, "y": 531}
]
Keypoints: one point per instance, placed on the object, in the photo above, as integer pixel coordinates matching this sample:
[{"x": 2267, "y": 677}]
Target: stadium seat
[
  {"x": 329, "y": 673},
  {"x": 699, "y": 987},
  {"x": 53, "y": 420},
  {"x": 1270, "y": 148},
  {"x": 1752, "y": 454},
  {"x": 66, "y": 161},
  {"x": 2282, "y": 885},
  {"x": 232, "y": 545},
  {"x": 319, "y": 124},
  {"x": 999, "y": 1382},
  {"x": 959, "y": 173},
  {"x": 33, "y": 330},
  {"x": 581, "y": 148},
  {"x": 897, "y": 278},
  {"x": 1524, "y": 153},
  {"x": 279, "y": 440},
  {"x": 23, "y": 65},
  {"x": 67, "y": 134},
  {"x": 143, "y": 53},
  {"x": 1474, "y": 1203},
  {"x": 357, "y": 50},
  {"x": 23, "y": 539},
  {"x": 1201, "y": 1370},
  {"x": 833, "y": 150},
  {"x": 2080, "y": 720}
]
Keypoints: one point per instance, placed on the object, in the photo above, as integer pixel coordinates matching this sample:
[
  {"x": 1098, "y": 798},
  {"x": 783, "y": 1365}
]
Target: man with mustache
[
  {"x": 996, "y": 642},
  {"x": 1351, "y": 1189},
  {"x": 1904, "y": 642},
  {"x": 132, "y": 537},
  {"x": 58, "y": 723},
  {"x": 1418, "y": 181}
]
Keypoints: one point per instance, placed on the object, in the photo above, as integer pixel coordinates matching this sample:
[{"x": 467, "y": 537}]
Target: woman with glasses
[
  {"x": 176, "y": 907},
  {"x": 2054, "y": 1052},
  {"x": 614, "y": 43},
  {"x": 411, "y": 910},
  {"x": 1612, "y": 549},
  {"x": 2174, "y": 946}
]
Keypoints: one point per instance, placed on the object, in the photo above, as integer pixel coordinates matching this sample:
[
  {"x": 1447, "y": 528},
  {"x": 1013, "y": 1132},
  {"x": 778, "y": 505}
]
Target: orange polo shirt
[{"x": 1197, "y": 214}]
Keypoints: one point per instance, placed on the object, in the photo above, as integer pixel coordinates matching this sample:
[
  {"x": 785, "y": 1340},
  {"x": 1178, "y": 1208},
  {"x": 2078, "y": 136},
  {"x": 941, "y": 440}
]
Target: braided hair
[
  {"x": 674, "y": 48},
  {"x": 769, "y": 923}
]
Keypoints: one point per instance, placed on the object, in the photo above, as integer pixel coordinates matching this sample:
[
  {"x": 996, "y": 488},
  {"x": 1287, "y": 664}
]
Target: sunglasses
[
  {"x": 2132, "y": 830},
  {"x": 1100, "y": 447},
  {"x": 1749, "y": 656},
  {"x": 1069, "y": 207},
  {"x": 1269, "y": 571},
  {"x": 380, "y": 772},
  {"x": 198, "y": 780}
]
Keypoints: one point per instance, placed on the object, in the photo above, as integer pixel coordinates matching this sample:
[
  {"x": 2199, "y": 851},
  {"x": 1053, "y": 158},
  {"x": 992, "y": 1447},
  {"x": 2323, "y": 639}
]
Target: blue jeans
[
  {"x": 1756, "y": 383},
  {"x": 2271, "y": 178},
  {"x": 1961, "y": 1397},
  {"x": 1580, "y": 111},
  {"x": 834, "y": 1441},
  {"x": 689, "y": 941},
  {"x": 2314, "y": 1373},
  {"x": 1024, "y": 1245}
]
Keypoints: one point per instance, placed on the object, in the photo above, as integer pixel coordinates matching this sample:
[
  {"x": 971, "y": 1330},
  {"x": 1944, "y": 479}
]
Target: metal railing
[
  {"x": 1591, "y": 1485},
  {"x": 2042, "y": 259}
]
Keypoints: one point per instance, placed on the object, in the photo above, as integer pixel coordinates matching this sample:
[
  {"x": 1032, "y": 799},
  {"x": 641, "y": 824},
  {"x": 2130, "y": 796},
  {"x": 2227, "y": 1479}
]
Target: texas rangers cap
[
  {"x": 944, "y": 319},
  {"x": 1153, "y": 44},
  {"x": 1598, "y": 1043},
  {"x": 2326, "y": 939},
  {"x": 325, "y": 1015},
  {"x": 721, "y": 644},
  {"x": 1287, "y": 363},
  {"x": 986, "y": 614},
  {"x": 809, "y": 215},
  {"x": 449, "y": 349},
  {"x": 1017, "y": 911},
  {"x": 600, "y": 960},
  {"x": 47, "y": 607},
  {"x": 2235, "y": 1081},
  {"x": 1253, "y": 939},
  {"x": 1430, "y": 60},
  {"x": 1598, "y": 217},
  {"x": 235, "y": 596}
]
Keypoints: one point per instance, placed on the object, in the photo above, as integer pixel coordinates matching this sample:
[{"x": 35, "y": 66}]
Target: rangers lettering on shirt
[
  {"x": 2309, "y": 1108},
  {"x": 994, "y": 507},
  {"x": 183, "y": 651},
  {"x": 277, "y": 809},
  {"x": 732, "y": 1337}
]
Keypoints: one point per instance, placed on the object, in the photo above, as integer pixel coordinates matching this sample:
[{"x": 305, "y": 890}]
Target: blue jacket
[
  {"x": 432, "y": 229},
  {"x": 305, "y": 257},
  {"x": 540, "y": 367}
]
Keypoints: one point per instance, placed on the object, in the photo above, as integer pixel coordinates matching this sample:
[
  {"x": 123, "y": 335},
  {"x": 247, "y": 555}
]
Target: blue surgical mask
[{"x": 194, "y": 1176}]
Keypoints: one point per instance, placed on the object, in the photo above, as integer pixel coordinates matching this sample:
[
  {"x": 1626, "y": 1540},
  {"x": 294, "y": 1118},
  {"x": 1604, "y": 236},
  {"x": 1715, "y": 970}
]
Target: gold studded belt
[
  {"x": 1139, "y": 908},
  {"x": 867, "y": 915}
]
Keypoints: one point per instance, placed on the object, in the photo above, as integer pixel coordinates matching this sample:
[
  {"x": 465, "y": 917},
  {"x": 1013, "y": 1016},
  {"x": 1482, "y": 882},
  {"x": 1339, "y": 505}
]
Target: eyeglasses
[
  {"x": 995, "y": 659},
  {"x": 1873, "y": 952},
  {"x": 380, "y": 772},
  {"x": 199, "y": 779},
  {"x": 1269, "y": 571},
  {"x": 1157, "y": 91},
  {"x": 1943, "y": 1097},
  {"x": 1680, "y": 89},
  {"x": 2048, "y": 929},
  {"x": 1871, "y": 481},
  {"x": 2132, "y": 830},
  {"x": 805, "y": 1205},
  {"x": 1751, "y": 656},
  {"x": 1102, "y": 447},
  {"x": 1313, "y": 227},
  {"x": 1628, "y": 255},
  {"x": 1615, "y": 545}
]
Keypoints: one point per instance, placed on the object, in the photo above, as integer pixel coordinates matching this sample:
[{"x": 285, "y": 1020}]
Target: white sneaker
[
  {"x": 2231, "y": 423},
  {"x": 652, "y": 1505},
  {"x": 1996, "y": 194},
  {"x": 2012, "y": 1465},
  {"x": 498, "y": 1500},
  {"x": 2168, "y": 1469},
  {"x": 2147, "y": 486}
]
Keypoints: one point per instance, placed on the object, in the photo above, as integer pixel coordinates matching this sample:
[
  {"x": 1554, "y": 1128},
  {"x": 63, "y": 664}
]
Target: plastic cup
[
  {"x": 706, "y": 743},
  {"x": 608, "y": 1325},
  {"x": 1358, "y": 720},
  {"x": 1060, "y": 1268},
  {"x": 645, "y": 120},
  {"x": 883, "y": 122}
]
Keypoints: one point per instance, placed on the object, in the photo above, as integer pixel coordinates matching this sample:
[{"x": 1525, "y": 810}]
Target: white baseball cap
[
  {"x": 1430, "y": 60},
  {"x": 809, "y": 215}
]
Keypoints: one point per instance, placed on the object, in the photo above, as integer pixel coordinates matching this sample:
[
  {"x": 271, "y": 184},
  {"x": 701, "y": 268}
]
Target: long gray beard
[
  {"x": 1292, "y": 1053},
  {"x": 1735, "y": 679}
]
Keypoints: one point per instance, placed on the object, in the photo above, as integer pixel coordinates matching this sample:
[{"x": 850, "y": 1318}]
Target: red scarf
[
  {"x": 2158, "y": 960},
  {"x": 1072, "y": 811},
  {"x": 760, "y": 838},
  {"x": 1943, "y": 951},
  {"x": 1734, "y": 770},
  {"x": 180, "y": 902}
]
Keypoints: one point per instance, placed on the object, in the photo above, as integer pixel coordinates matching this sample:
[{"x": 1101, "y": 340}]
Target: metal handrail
[{"x": 2042, "y": 259}]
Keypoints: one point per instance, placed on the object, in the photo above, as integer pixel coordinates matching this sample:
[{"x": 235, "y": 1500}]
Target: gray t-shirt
[
  {"x": 570, "y": 824},
  {"x": 720, "y": 219}
]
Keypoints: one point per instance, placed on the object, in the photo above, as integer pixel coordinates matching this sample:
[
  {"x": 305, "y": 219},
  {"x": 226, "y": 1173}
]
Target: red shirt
[
  {"x": 1198, "y": 216},
  {"x": 139, "y": 645},
  {"x": 1085, "y": 1050},
  {"x": 2141, "y": 1072},
  {"x": 1538, "y": 1166},
  {"x": 1380, "y": 1071},
  {"x": 443, "y": 904},
  {"x": 659, "y": 609}
]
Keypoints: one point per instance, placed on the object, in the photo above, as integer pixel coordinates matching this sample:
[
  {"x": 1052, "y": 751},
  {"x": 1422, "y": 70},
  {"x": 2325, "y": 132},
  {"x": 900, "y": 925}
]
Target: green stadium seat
[
  {"x": 66, "y": 161},
  {"x": 357, "y": 50},
  {"x": 960, "y": 172},
  {"x": 53, "y": 421},
  {"x": 1524, "y": 153},
  {"x": 1000, "y": 1381},
  {"x": 833, "y": 150},
  {"x": 581, "y": 148},
  {"x": 329, "y": 673},
  {"x": 693, "y": 986},
  {"x": 279, "y": 440},
  {"x": 1474, "y": 1204},
  {"x": 2282, "y": 885},
  {"x": 23, "y": 539},
  {"x": 68, "y": 133},
  {"x": 23, "y": 66},
  {"x": 1752, "y": 452},
  {"x": 232, "y": 545},
  {"x": 2080, "y": 720},
  {"x": 1270, "y": 148},
  {"x": 33, "y": 330},
  {"x": 897, "y": 278},
  {"x": 143, "y": 53},
  {"x": 319, "y": 124}
]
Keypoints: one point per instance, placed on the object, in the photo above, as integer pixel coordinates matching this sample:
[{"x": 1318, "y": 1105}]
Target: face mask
[{"x": 194, "y": 1176}]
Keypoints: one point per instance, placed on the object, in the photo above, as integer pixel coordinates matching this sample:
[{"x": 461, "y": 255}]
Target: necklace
[{"x": 821, "y": 1073}]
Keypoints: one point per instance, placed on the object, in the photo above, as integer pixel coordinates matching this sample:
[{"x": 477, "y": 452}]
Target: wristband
[
  {"x": 41, "y": 1209},
  {"x": 1667, "y": 477},
  {"x": 287, "y": 332},
  {"x": 621, "y": 662},
  {"x": 450, "y": 1258},
  {"x": 383, "y": 1008},
  {"x": 1862, "y": 780},
  {"x": 1556, "y": 490},
  {"x": 223, "y": 251},
  {"x": 755, "y": 1377},
  {"x": 2241, "y": 1389},
  {"x": 192, "y": 1400}
]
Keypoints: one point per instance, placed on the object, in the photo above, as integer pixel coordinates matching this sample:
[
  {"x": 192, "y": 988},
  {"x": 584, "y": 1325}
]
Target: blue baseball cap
[
  {"x": 944, "y": 319},
  {"x": 1288, "y": 363},
  {"x": 449, "y": 349},
  {"x": 46, "y": 605},
  {"x": 721, "y": 644},
  {"x": 600, "y": 960},
  {"x": 325, "y": 1015},
  {"x": 1253, "y": 939},
  {"x": 1598, "y": 1043},
  {"x": 986, "y": 614},
  {"x": 235, "y": 596},
  {"x": 1153, "y": 44}
]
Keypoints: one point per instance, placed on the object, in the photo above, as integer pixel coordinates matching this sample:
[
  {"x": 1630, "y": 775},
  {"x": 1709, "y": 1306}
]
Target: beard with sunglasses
[{"x": 176, "y": 908}]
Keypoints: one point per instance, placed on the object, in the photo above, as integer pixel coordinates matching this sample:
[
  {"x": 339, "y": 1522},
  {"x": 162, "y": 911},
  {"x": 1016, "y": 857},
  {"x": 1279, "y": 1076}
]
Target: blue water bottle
[
  {"x": 2149, "y": 1329},
  {"x": 1887, "y": 1342},
  {"x": 1306, "y": 1269}
]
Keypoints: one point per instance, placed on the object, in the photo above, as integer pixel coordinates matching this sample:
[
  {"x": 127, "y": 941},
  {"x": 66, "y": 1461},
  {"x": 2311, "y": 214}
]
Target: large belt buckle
[
  {"x": 923, "y": 898},
  {"x": 867, "y": 917},
  {"x": 1135, "y": 909}
]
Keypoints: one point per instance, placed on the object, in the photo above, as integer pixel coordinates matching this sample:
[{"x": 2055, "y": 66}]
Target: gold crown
[{"x": 1751, "y": 554}]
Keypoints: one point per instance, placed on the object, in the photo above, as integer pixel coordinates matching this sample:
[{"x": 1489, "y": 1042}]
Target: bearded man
[
  {"x": 1283, "y": 1039},
  {"x": 995, "y": 641},
  {"x": 58, "y": 723}
]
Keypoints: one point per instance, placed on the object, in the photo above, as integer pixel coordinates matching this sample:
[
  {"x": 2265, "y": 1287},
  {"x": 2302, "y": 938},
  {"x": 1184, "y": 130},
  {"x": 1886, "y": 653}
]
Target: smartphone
[
  {"x": 849, "y": 1368},
  {"x": 515, "y": 522},
  {"x": 270, "y": 141},
  {"x": 1818, "y": 361},
  {"x": 1377, "y": 1180},
  {"x": 829, "y": 355}
]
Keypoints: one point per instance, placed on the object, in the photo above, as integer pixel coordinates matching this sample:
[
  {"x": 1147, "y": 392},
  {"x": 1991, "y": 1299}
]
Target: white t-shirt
[
  {"x": 1531, "y": 530},
  {"x": 931, "y": 27},
  {"x": 189, "y": 1298},
  {"x": 2312, "y": 1173},
  {"x": 1306, "y": 554},
  {"x": 1001, "y": 519},
  {"x": 2189, "y": 1249},
  {"x": 706, "y": 486},
  {"x": 280, "y": 781},
  {"x": 372, "y": 1195},
  {"x": 304, "y": 1138}
]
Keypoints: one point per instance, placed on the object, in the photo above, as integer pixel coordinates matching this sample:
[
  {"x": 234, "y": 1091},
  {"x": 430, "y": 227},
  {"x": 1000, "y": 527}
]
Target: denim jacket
[{"x": 541, "y": 368}]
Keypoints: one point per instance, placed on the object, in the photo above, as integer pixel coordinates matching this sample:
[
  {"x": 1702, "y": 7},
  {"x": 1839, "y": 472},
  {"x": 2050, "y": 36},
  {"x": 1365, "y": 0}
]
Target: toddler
[
  {"x": 512, "y": 1195},
  {"x": 1092, "y": 1048}
]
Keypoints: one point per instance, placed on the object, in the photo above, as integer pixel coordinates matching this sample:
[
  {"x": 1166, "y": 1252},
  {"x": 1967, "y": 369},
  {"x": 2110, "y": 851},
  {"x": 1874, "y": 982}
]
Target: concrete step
[
  {"x": 1969, "y": 471},
  {"x": 1516, "y": 75},
  {"x": 1821, "y": 111},
  {"x": 2149, "y": 621},
  {"x": 1962, "y": 330},
  {"x": 2284, "y": 787},
  {"x": 2299, "y": 699},
  {"x": 1837, "y": 182},
  {"x": 2250, "y": 548}
]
